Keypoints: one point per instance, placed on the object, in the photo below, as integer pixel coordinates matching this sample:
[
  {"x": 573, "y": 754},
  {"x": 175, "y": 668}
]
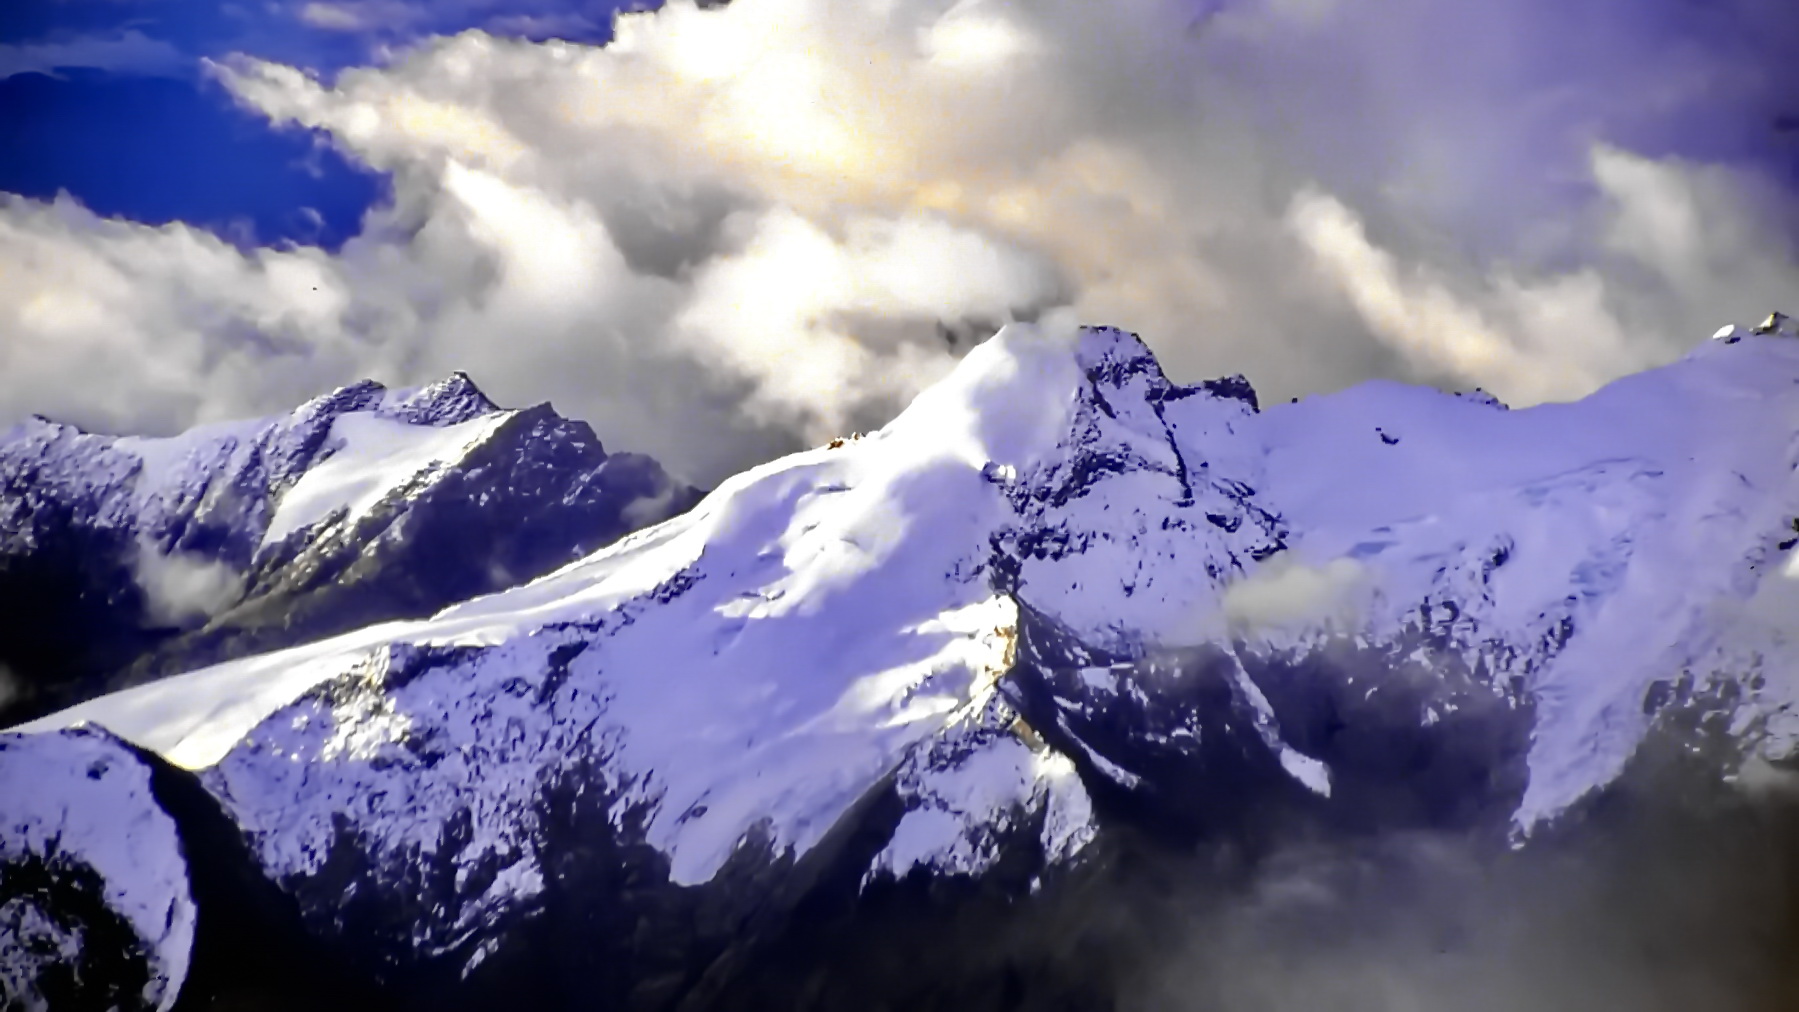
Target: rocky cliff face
[{"x": 892, "y": 723}]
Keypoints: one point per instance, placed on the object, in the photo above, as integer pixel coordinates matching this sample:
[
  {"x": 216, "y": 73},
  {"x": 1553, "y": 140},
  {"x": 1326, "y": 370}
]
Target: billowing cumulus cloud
[{"x": 735, "y": 230}]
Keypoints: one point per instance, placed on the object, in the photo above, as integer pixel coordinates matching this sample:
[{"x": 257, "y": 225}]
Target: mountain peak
[
  {"x": 449, "y": 401},
  {"x": 1055, "y": 572},
  {"x": 1114, "y": 357},
  {"x": 124, "y": 556}
]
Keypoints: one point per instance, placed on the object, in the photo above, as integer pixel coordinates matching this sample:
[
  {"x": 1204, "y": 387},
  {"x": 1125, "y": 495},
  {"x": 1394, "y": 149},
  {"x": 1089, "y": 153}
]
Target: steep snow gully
[{"x": 882, "y": 696}]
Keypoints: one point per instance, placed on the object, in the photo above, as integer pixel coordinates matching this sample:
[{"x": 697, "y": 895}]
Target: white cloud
[
  {"x": 180, "y": 588},
  {"x": 333, "y": 17},
  {"x": 737, "y": 229},
  {"x": 1284, "y": 593},
  {"x": 126, "y": 52},
  {"x": 120, "y": 325},
  {"x": 1676, "y": 248}
]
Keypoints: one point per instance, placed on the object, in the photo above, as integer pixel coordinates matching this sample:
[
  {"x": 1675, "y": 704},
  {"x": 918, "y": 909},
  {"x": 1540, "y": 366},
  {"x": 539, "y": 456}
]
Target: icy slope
[
  {"x": 1204, "y": 590},
  {"x": 125, "y": 558}
]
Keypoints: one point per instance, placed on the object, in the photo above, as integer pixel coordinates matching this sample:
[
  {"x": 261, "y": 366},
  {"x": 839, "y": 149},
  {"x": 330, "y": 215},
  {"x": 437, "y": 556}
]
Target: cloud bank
[{"x": 733, "y": 231}]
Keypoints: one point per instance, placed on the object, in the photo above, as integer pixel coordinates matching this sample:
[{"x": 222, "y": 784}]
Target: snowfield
[{"x": 374, "y": 458}]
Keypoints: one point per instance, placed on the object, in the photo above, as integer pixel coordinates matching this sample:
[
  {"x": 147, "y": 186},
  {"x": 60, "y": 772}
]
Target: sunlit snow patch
[{"x": 376, "y": 457}]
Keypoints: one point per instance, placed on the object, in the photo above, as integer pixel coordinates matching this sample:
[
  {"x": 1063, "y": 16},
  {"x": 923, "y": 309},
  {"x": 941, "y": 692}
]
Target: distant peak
[
  {"x": 450, "y": 400},
  {"x": 362, "y": 395},
  {"x": 462, "y": 380},
  {"x": 1113, "y": 356}
]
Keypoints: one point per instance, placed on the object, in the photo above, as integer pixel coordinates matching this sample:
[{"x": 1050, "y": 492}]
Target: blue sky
[
  {"x": 743, "y": 229},
  {"x": 159, "y": 149},
  {"x": 107, "y": 100}
]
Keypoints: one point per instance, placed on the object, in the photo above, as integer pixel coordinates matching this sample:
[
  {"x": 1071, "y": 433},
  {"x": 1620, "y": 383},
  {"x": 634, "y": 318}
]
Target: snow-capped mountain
[
  {"x": 936, "y": 664},
  {"x": 123, "y": 559}
]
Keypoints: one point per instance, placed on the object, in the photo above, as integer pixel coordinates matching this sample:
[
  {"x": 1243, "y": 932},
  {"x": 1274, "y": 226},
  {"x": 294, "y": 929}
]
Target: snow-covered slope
[
  {"x": 1590, "y": 549},
  {"x": 1055, "y": 575},
  {"x": 93, "y": 881},
  {"x": 125, "y": 558},
  {"x": 758, "y": 664}
]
